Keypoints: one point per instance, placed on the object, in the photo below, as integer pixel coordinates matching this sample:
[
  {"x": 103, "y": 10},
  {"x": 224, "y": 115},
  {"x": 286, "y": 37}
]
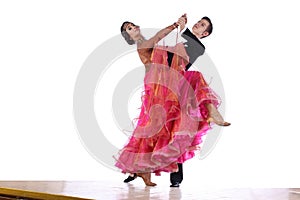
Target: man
[
  {"x": 193, "y": 46},
  {"x": 194, "y": 49}
]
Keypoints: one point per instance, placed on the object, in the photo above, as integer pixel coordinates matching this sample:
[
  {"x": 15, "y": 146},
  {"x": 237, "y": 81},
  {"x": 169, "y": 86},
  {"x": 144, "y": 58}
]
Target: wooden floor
[{"x": 57, "y": 190}]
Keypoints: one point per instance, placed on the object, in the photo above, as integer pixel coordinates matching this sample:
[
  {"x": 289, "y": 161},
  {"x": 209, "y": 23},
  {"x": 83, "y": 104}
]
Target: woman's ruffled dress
[{"x": 173, "y": 116}]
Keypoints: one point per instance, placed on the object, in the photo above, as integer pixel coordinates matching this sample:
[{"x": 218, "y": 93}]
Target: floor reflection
[{"x": 112, "y": 190}]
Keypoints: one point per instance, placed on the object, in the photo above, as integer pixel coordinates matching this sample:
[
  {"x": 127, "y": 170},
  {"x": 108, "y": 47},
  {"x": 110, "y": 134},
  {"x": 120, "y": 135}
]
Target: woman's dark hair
[
  {"x": 125, "y": 34},
  {"x": 209, "y": 29}
]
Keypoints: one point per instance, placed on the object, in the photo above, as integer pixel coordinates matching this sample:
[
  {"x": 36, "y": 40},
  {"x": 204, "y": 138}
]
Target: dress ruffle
[{"x": 172, "y": 120}]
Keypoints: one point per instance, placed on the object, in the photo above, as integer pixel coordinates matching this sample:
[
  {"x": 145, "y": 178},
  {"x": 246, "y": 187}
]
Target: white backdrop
[{"x": 254, "y": 45}]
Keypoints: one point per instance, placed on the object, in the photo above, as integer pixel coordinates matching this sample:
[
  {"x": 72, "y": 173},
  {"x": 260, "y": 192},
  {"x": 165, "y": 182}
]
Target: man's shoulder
[{"x": 190, "y": 37}]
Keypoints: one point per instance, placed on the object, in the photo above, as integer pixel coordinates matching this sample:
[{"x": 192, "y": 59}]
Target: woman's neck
[{"x": 140, "y": 40}]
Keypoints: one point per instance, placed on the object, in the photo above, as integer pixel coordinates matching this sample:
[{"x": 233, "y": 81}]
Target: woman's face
[{"x": 132, "y": 30}]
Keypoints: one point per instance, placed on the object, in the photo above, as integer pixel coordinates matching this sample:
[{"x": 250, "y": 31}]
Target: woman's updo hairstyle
[{"x": 125, "y": 34}]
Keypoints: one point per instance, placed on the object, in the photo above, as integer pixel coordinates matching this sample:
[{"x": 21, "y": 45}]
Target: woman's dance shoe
[
  {"x": 214, "y": 116},
  {"x": 146, "y": 178},
  {"x": 130, "y": 178},
  {"x": 220, "y": 123}
]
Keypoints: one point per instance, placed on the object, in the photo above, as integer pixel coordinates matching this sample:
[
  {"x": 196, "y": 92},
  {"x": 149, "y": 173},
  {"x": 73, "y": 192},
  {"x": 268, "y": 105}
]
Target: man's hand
[{"x": 182, "y": 21}]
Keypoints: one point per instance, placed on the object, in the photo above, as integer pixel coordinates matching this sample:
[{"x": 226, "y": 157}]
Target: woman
[{"x": 170, "y": 125}]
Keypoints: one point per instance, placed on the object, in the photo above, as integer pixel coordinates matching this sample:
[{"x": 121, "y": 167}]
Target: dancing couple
[{"x": 177, "y": 105}]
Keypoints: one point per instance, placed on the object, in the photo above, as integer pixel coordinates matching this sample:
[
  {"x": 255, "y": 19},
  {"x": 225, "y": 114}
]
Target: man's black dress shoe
[
  {"x": 130, "y": 178},
  {"x": 176, "y": 184}
]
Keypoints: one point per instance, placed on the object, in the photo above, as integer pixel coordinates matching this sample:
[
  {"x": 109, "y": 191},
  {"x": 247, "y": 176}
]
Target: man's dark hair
[
  {"x": 209, "y": 29},
  {"x": 125, "y": 34}
]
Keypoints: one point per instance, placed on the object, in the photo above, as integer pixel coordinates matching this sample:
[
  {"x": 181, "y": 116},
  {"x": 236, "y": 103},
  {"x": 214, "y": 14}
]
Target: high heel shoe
[
  {"x": 215, "y": 117},
  {"x": 146, "y": 178},
  {"x": 222, "y": 123}
]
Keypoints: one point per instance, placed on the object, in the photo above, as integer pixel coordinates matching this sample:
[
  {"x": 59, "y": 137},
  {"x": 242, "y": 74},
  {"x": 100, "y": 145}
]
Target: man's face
[{"x": 199, "y": 29}]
